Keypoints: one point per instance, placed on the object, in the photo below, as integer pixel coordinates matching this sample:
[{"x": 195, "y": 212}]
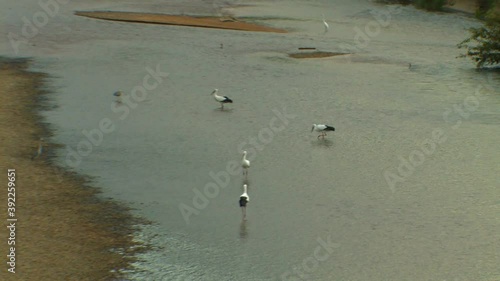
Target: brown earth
[
  {"x": 64, "y": 231},
  {"x": 208, "y": 22}
]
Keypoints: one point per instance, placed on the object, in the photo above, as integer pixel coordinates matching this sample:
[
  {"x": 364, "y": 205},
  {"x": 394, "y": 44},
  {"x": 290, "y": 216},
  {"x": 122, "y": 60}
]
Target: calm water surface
[{"x": 436, "y": 218}]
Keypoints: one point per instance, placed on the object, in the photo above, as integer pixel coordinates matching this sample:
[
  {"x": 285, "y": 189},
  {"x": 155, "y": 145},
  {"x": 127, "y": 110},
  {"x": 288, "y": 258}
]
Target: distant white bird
[
  {"x": 322, "y": 128},
  {"x": 39, "y": 150},
  {"x": 327, "y": 27},
  {"x": 221, "y": 99},
  {"x": 244, "y": 199},
  {"x": 245, "y": 163}
]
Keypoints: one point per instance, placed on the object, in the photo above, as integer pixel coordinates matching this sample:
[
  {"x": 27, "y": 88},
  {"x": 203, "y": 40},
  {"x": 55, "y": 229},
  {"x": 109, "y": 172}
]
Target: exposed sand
[
  {"x": 208, "y": 22},
  {"x": 63, "y": 232}
]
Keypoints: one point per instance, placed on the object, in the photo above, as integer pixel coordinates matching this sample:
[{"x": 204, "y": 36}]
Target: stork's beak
[{"x": 312, "y": 129}]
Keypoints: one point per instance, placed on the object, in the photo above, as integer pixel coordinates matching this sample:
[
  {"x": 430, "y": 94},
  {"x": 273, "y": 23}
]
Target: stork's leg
[{"x": 244, "y": 212}]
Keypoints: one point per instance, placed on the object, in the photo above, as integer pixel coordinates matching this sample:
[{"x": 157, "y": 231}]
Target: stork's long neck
[{"x": 244, "y": 189}]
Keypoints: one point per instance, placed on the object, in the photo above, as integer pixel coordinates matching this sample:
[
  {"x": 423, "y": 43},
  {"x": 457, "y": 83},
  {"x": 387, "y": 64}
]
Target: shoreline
[
  {"x": 64, "y": 230},
  {"x": 203, "y": 22}
]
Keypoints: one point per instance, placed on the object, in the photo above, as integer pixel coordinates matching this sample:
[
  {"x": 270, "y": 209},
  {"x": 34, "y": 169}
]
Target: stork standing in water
[
  {"x": 323, "y": 129},
  {"x": 39, "y": 151},
  {"x": 327, "y": 27},
  {"x": 244, "y": 199},
  {"x": 221, "y": 99},
  {"x": 245, "y": 163}
]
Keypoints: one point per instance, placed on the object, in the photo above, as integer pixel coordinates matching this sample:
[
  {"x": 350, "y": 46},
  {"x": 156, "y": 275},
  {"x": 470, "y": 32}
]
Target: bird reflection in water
[
  {"x": 118, "y": 95},
  {"x": 243, "y": 229},
  {"x": 322, "y": 143}
]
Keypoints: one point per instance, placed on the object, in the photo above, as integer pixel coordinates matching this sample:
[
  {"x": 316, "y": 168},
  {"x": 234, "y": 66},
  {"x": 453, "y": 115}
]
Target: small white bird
[
  {"x": 322, "y": 128},
  {"x": 244, "y": 199},
  {"x": 327, "y": 27},
  {"x": 221, "y": 99},
  {"x": 245, "y": 163},
  {"x": 39, "y": 151}
]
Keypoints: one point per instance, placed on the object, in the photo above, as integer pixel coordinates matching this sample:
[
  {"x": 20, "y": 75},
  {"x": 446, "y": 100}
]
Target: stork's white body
[
  {"x": 322, "y": 129},
  {"x": 244, "y": 199},
  {"x": 245, "y": 193},
  {"x": 221, "y": 99},
  {"x": 325, "y": 24},
  {"x": 245, "y": 163}
]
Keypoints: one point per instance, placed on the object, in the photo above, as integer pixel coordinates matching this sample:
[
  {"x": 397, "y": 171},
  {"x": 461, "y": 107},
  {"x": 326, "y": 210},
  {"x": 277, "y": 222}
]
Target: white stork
[
  {"x": 322, "y": 128},
  {"x": 221, "y": 99}
]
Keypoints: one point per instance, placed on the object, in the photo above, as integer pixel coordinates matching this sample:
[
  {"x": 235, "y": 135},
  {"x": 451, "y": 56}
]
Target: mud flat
[
  {"x": 64, "y": 231},
  {"x": 206, "y": 22}
]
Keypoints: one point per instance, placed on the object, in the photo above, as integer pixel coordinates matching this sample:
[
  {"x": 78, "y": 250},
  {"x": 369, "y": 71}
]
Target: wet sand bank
[
  {"x": 64, "y": 231},
  {"x": 207, "y": 22}
]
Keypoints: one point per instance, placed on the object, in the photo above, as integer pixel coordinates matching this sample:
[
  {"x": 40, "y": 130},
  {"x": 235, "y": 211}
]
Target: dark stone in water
[{"x": 315, "y": 54}]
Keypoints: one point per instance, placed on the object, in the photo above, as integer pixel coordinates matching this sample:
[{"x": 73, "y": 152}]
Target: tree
[
  {"x": 486, "y": 51},
  {"x": 431, "y": 5}
]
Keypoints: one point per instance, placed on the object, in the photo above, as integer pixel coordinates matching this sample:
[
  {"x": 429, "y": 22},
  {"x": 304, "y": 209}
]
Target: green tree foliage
[
  {"x": 483, "y": 46},
  {"x": 483, "y": 7},
  {"x": 431, "y": 5}
]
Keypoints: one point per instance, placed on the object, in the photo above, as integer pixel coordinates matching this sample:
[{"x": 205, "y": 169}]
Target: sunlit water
[{"x": 434, "y": 219}]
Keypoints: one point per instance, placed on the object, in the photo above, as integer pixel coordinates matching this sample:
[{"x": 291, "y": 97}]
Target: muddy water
[{"x": 406, "y": 188}]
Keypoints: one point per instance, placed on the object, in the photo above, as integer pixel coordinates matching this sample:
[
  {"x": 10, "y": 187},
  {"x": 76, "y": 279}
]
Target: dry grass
[{"x": 63, "y": 232}]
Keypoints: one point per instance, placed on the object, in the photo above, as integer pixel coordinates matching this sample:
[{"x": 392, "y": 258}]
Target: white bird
[
  {"x": 39, "y": 151},
  {"x": 221, "y": 99},
  {"x": 244, "y": 199},
  {"x": 327, "y": 27},
  {"x": 322, "y": 128},
  {"x": 245, "y": 163}
]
